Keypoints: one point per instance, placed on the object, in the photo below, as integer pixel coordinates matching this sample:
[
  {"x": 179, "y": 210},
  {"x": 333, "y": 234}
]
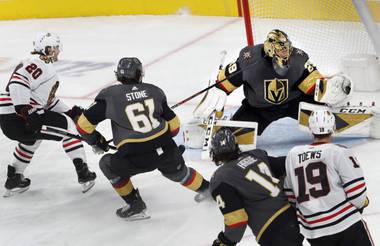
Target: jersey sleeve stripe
[
  {"x": 355, "y": 188},
  {"x": 357, "y": 195},
  {"x": 67, "y": 150},
  {"x": 84, "y": 125},
  {"x": 236, "y": 218},
  {"x": 195, "y": 180},
  {"x": 174, "y": 125},
  {"x": 238, "y": 224},
  {"x": 308, "y": 84},
  {"x": 71, "y": 143},
  {"x": 353, "y": 181},
  {"x": 20, "y": 75},
  {"x": 19, "y": 83},
  {"x": 18, "y": 78}
]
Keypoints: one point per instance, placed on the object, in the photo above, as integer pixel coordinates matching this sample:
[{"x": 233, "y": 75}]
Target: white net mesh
[{"x": 325, "y": 29}]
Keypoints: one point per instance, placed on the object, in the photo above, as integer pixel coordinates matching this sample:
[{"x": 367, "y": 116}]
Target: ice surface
[{"x": 180, "y": 53}]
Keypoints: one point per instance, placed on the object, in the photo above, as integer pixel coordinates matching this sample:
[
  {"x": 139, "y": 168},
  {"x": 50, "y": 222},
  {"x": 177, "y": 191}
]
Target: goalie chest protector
[{"x": 263, "y": 87}]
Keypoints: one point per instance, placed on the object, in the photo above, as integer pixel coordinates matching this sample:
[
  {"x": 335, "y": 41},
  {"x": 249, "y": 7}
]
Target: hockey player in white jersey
[
  {"x": 327, "y": 186},
  {"x": 28, "y": 104}
]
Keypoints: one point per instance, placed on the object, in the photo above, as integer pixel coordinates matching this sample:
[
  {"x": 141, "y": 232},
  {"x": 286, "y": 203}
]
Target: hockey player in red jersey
[
  {"x": 28, "y": 103},
  {"x": 326, "y": 183},
  {"x": 143, "y": 127}
]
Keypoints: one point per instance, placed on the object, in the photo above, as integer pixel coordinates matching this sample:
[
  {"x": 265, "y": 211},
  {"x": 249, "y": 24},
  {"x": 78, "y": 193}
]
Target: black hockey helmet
[
  {"x": 224, "y": 146},
  {"x": 129, "y": 70}
]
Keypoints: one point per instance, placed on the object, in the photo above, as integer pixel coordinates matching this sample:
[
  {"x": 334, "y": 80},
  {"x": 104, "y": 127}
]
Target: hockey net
[{"x": 326, "y": 30}]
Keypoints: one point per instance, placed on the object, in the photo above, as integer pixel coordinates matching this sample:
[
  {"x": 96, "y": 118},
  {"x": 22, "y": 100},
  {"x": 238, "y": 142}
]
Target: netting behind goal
[{"x": 326, "y": 29}]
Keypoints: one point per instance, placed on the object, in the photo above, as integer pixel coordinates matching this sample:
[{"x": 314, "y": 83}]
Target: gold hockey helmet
[{"x": 278, "y": 46}]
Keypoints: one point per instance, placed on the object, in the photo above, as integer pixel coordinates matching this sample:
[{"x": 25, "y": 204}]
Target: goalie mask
[
  {"x": 223, "y": 146},
  {"x": 279, "y": 48},
  {"x": 321, "y": 122},
  {"x": 48, "y": 46},
  {"x": 129, "y": 71}
]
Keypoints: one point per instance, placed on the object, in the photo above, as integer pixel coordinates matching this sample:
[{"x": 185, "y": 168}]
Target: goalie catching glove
[
  {"x": 333, "y": 90},
  {"x": 214, "y": 100}
]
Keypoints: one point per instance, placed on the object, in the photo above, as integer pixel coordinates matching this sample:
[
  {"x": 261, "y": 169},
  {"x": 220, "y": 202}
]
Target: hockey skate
[
  {"x": 86, "y": 178},
  {"x": 16, "y": 183},
  {"x": 136, "y": 210}
]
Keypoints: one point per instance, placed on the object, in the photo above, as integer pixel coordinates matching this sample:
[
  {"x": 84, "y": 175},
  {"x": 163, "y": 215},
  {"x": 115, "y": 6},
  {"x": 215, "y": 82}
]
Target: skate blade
[
  {"x": 87, "y": 186},
  {"x": 140, "y": 216},
  {"x": 9, "y": 193}
]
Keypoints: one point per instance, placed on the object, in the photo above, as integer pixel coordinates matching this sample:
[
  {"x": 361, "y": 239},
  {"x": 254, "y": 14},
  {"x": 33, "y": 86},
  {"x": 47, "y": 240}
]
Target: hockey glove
[
  {"x": 222, "y": 240},
  {"x": 214, "y": 99},
  {"x": 34, "y": 117},
  {"x": 333, "y": 90},
  {"x": 366, "y": 203},
  {"x": 74, "y": 112},
  {"x": 181, "y": 148},
  {"x": 98, "y": 143}
]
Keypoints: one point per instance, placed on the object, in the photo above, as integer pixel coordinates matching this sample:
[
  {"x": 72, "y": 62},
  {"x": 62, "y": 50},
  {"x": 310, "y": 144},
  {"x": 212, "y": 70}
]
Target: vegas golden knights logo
[{"x": 276, "y": 90}]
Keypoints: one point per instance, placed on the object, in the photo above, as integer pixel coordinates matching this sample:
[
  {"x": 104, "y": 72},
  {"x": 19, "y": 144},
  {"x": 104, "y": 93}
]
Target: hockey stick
[
  {"x": 205, "y": 154},
  {"x": 48, "y": 129},
  {"x": 213, "y": 85}
]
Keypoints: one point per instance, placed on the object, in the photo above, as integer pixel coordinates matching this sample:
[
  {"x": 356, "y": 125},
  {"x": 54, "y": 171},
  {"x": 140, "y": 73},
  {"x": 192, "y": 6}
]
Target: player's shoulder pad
[
  {"x": 299, "y": 57},
  {"x": 258, "y": 153},
  {"x": 250, "y": 53},
  {"x": 156, "y": 88},
  {"x": 107, "y": 92},
  {"x": 300, "y": 53}
]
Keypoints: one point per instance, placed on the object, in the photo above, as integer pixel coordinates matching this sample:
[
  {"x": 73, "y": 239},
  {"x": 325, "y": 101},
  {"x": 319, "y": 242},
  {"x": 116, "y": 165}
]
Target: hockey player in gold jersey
[
  {"x": 143, "y": 127},
  {"x": 248, "y": 192}
]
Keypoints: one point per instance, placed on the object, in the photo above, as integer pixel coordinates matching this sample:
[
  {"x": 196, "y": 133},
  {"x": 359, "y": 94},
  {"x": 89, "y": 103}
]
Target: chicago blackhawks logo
[{"x": 276, "y": 90}]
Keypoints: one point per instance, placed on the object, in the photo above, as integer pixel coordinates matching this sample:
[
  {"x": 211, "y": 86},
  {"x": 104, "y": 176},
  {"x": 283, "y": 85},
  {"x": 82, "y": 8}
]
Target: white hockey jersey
[
  {"x": 327, "y": 185},
  {"x": 33, "y": 82}
]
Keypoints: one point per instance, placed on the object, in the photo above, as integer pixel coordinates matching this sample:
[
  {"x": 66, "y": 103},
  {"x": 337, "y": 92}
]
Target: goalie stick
[
  {"x": 205, "y": 154},
  {"x": 215, "y": 84},
  {"x": 49, "y": 129}
]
